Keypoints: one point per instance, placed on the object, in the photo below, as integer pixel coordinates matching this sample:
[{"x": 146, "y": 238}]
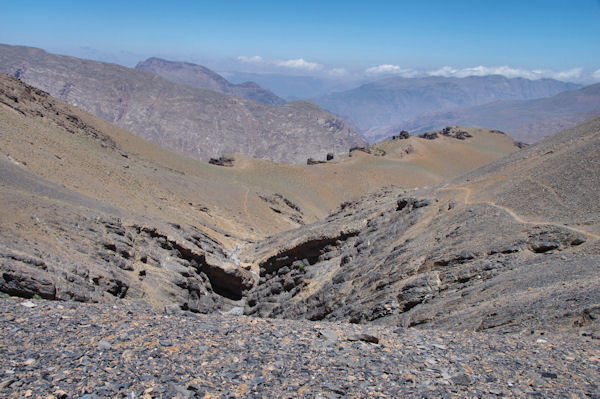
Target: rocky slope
[
  {"x": 58, "y": 243},
  {"x": 394, "y": 101},
  {"x": 400, "y": 257},
  {"x": 66, "y": 349},
  {"x": 199, "y": 76},
  {"x": 197, "y": 122},
  {"x": 512, "y": 246}
]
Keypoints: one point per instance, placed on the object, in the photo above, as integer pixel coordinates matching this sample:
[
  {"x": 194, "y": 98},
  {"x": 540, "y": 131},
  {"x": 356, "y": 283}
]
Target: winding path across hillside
[{"x": 467, "y": 200}]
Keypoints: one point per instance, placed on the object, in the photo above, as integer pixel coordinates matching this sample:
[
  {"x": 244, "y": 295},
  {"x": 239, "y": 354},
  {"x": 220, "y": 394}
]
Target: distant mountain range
[
  {"x": 295, "y": 87},
  {"x": 202, "y": 77},
  {"x": 197, "y": 122},
  {"x": 197, "y": 112},
  {"x": 394, "y": 101},
  {"x": 524, "y": 120}
]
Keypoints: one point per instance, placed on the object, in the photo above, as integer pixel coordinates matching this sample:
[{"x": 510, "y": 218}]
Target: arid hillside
[
  {"x": 80, "y": 191},
  {"x": 246, "y": 200}
]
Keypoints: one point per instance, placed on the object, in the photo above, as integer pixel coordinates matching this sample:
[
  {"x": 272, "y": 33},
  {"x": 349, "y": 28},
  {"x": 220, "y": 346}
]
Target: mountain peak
[{"x": 202, "y": 77}]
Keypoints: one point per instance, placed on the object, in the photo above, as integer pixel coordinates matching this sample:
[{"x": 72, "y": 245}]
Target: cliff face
[{"x": 197, "y": 122}]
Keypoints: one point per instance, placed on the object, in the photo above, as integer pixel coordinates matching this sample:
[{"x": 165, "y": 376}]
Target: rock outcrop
[
  {"x": 222, "y": 161},
  {"x": 59, "y": 244},
  {"x": 90, "y": 253},
  {"x": 456, "y": 132}
]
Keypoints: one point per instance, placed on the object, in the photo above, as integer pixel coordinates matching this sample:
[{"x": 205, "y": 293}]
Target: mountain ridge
[
  {"x": 193, "y": 121},
  {"x": 525, "y": 120},
  {"x": 392, "y": 101},
  {"x": 202, "y": 77}
]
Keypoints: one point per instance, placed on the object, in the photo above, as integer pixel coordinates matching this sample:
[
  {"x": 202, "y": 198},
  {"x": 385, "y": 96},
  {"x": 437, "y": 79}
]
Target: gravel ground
[{"x": 54, "y": 349}]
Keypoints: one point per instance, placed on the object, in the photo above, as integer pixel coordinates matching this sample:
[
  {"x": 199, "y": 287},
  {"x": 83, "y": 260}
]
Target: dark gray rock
[
  {"x": 222, "y": 161},
  {"x": 461, "y": 379},
  {"x": 429, "y": 135},
  {"x": 104, "y": 345},
  {"x": 365, "y": 337}
]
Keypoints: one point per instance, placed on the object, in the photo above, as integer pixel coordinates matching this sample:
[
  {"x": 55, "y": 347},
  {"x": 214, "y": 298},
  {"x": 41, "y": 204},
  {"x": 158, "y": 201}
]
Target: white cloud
[
  {"x": 481, "y": 70},
  {"x": 255, "y": 59},
  {"x": 574, "y": 73},
  {"x": 391, "y": 69},
  {"x": 445, "y": 71},
  {"x": 299, "y": 63},
  {"x": 448, "y": 71},
  {"x": 384, "y": 68},
  {"x": 338, "y": 72}
]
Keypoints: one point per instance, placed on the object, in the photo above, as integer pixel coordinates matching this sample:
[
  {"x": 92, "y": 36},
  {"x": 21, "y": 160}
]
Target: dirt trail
[
  {"x": 258, "y": 230},
  {"x": 467, "y": 200},
  {"x": 245, "y": 205}
]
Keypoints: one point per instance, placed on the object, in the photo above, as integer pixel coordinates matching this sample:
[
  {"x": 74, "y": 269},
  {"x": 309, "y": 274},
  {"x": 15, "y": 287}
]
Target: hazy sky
[{"x": 528, "y": 38}]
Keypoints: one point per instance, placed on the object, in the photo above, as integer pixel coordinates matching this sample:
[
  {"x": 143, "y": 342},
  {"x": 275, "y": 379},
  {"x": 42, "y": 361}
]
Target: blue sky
[{"x": 528, "y": 38}]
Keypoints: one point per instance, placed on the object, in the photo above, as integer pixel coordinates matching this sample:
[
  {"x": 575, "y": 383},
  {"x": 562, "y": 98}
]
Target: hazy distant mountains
[
  {"x": 199, "y": 76},
  {"x": 524, "y": 120},
  {"x": 197, "y": 122},
  {"x": 197, "y": 112},
  {"x": 394, "y": 101},
  {"x": 295, "y": 87}
]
